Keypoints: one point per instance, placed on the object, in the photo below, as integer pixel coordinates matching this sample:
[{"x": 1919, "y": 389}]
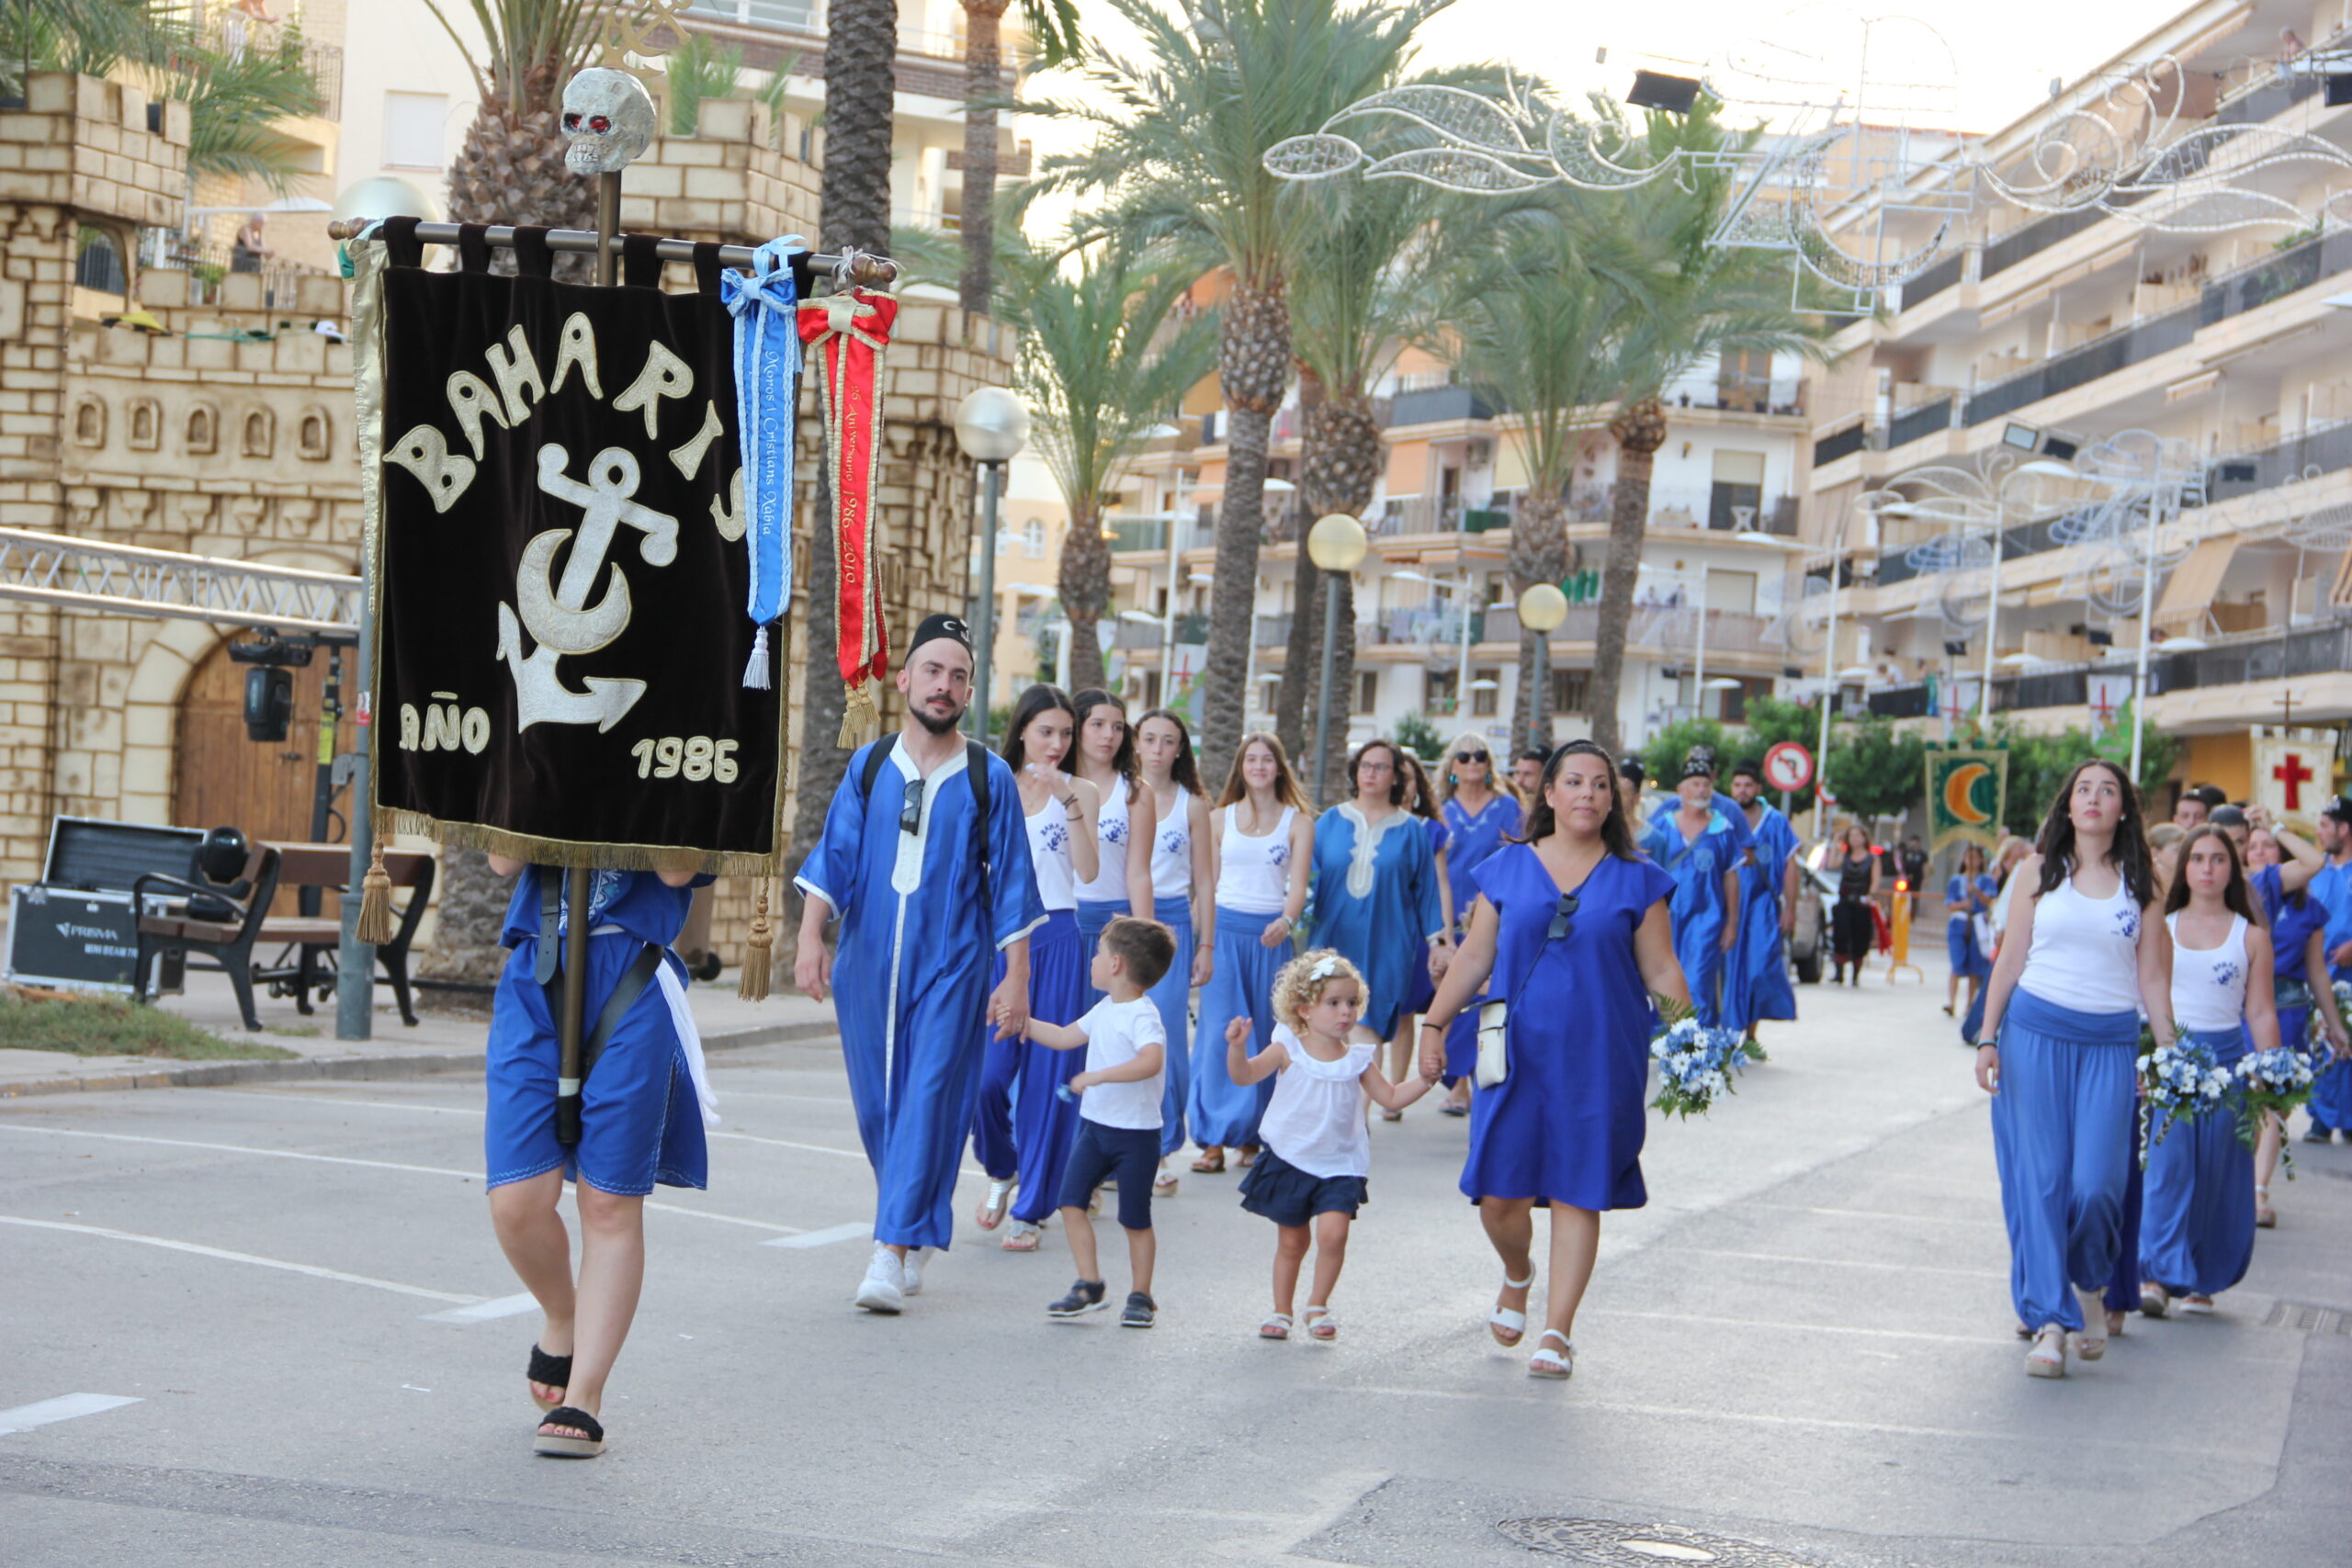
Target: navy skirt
[{"x": 1276, "y": 1189}]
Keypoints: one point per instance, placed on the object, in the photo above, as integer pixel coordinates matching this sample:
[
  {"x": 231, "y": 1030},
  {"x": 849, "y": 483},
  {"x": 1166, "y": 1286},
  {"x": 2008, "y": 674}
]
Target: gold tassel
[
  {"x": 376, "y": 900},
  {"x": 859, "y": 719},
  {"x": 751, "y": 986}
]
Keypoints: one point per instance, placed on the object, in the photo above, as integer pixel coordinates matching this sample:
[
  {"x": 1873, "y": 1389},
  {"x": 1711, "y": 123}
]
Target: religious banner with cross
[
  {"x": 2292, "y": 770},
  {"x": 558, "y": 535},
  {"x": 2109, "y": 695},
  {"x": 1967, "y": 793}
]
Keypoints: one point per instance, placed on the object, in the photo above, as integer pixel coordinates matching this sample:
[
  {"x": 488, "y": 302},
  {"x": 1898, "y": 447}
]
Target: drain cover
[
  {"x": 2307, "y": 1318},
  {"x": 1641, "y": 1546}
]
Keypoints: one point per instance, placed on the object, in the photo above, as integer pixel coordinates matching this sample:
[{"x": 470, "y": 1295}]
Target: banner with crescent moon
[
  {"x": 1967, "y": 791},
  {"x": 560, "y": 566}
]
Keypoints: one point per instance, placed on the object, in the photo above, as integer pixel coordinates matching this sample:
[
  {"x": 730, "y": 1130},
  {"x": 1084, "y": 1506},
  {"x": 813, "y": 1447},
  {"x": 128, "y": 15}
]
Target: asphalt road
[{"x": 1800, "y": 1353}]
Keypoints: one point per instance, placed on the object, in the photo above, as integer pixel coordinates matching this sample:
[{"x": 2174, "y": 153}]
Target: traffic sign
[{"x": 1788, "y": 766}]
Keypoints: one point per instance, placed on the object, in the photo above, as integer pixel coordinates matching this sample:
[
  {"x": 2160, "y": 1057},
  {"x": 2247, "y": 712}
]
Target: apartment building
[
  {"x": 2036, "y": 347},
  {"x": 1437, "y": 630}
]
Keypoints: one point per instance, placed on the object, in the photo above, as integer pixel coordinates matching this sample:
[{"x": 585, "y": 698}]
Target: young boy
[{"x": 1118, "y": 1128}]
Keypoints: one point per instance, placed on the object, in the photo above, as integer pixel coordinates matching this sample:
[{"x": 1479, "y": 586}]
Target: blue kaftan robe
[
  {"x": 910, "y": 976},
  {"x": 1697, "y": 908},
  {"x": 1756, "y": 983},
  {"x": 2331, "y": 1103},
  {"x": 1470, "y": 841},
  {"x": 1376, "y": 902}
]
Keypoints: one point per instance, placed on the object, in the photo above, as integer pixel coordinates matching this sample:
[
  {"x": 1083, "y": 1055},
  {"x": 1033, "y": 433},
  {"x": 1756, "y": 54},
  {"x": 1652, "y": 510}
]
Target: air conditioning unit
[{"x": 1482, "y": 453}]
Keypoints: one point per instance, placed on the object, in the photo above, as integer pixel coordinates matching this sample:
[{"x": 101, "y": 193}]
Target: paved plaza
[{"x": 304, "y": 1348}]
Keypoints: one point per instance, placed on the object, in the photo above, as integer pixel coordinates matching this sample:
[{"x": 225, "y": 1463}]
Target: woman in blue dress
[
  {"x": 1263, "y": 833},
  {"x": 1480, "y": 814},
  {"x": 1968, "y": 897},
  {"x": 1694, "y": 844},
  {"x": 1022, "y": 1131},
  {"x": 1421, "y": 801},
  {"x": 1571, "y": 933},
  {"x": 1375, "y": 888},
  {"x": 2298, "y": 923},
  {"x": 2197, "y": 1214},
  {"x": 1184, "y": 873}
]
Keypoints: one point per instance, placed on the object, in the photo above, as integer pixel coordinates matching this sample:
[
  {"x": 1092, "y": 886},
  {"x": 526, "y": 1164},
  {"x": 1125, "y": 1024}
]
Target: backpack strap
[
  {"x": 875, "y": 759},
  {"x": 976, "y": 767}
]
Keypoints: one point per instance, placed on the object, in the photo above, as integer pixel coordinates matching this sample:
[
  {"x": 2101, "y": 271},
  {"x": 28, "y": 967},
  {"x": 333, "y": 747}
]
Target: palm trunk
[
  {"x": 1303, "y": 644},
  {"x": 1640, "y": 431},
  {"x": 982, "y": 57},
  {"x": 1084, "y": 582},
  {"x": 1253, "y": 370},
  {"x": 1341, "y": 467},
  {"x": 1539, "y": 553},
  {"x": 861, "y": 43}
]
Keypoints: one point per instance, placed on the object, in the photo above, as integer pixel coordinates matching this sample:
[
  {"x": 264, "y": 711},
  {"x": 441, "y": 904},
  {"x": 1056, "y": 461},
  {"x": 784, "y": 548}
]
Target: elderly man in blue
[
  {"x": 925, "y": 859},
  {"x": 1756, "y": 985},
  {"x": 1696, "y": 844}
]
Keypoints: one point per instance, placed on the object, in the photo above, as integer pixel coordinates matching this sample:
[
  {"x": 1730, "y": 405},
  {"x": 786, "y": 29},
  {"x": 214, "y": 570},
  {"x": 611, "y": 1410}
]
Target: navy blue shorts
[
  {"x": 1100, "y": 1153},
  {"x": 639, "y": 1122}
]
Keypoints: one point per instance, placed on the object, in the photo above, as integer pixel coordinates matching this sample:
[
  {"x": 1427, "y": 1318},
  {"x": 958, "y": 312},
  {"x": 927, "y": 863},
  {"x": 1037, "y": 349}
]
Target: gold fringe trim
[
  {"x": 860, "y": 721},
  {"x": 375, "y": 926},
  {"x": 751, "y": 986},
  {"x": 570, "y": 853}
]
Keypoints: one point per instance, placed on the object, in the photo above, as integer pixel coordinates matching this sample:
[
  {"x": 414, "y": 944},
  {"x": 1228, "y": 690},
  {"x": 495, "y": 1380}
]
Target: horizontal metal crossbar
[{"x": 129, "y": 580}]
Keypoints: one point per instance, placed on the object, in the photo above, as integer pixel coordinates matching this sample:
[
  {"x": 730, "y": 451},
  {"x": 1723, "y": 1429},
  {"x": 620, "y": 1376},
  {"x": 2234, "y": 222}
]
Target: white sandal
[
  {"x": 2048, "y": 1357},
  {"x": 1549, "y": 1363},
  {"x": 1321, "y": 1327},
  {"x": 990, "y": 1213},
  {"x": 1023, "y": 1237},
  {"x": 2089, "y": 1345},
  {"x": 1276, "y": 1326},
  {"x": 1503, "y": 1320}
]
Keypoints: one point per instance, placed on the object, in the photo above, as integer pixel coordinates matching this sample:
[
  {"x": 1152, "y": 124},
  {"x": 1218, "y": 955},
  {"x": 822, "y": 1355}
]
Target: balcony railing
[
  {"x": 2034, "y": 237},
  {"x": 1135, "y": 634},
  {"x": 1742, "y": 394},
  {"x": 1840, "y": 443},
  {"x": 2258, "y": 656},
  {"x": 1944, "y": 275},
  {"x": 234, "y": 33},
  {"x": 1439, "y": 405},
  {"x": 1138, "y": 534},
  {"x": 2324, "y": 450},
  {"x": 1921, "y": 421}
]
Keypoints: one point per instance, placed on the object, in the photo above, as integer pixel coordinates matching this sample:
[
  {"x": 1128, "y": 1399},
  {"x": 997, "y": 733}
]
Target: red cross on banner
[{"x": 2294, "y": 774}]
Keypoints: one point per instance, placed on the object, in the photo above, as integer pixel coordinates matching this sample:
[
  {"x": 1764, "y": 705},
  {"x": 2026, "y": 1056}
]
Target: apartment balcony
[
  {"x": 1843, "y": 441},
  {"x": 1725, "y": 509},
  {"x": 929, "y": 63},
  {"x": 1134, "y": 635},
  {"x": 1433, "y": 624},
  {"x": 2324, "y": 449},
  {"x": 1779, "y": 396},
  {"x": 1437, "y": 405},
  {"x": 2301, "y": 653},
  {"x": 236, "y": 34},
  {"x": 1146, "y": 533},
  {"x": 1949, "y": 273}
]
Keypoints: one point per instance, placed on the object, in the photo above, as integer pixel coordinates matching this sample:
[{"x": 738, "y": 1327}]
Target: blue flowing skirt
[
  {"x": 2197, "y": 1225},
  {"x": 1967, "y": 959},
  {"x": 2062, "y": 1139},
  {"x": 1021, "y": 1125},
  {"x": 1091, "y": 917},
  {"x": 1173, "y": 997},
  {"x": 1241, "y": 985}
]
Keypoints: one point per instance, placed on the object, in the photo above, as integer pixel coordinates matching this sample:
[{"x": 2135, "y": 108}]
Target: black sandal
[
  {"x": 554, "y": 1371},
  {"x": 549, "y": 1443}
]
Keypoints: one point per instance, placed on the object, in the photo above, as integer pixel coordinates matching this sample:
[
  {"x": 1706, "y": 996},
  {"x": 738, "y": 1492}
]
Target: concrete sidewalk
[{"x": 441, "y": 1042}]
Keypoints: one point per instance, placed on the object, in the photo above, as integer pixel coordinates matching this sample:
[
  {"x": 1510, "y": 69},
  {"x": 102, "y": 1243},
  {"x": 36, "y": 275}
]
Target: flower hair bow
[{"x": 1325, "y": 968}]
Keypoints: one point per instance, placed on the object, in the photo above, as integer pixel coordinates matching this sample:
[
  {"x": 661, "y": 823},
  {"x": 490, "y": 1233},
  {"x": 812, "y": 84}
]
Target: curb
[{"x": 213, "y": 1075}]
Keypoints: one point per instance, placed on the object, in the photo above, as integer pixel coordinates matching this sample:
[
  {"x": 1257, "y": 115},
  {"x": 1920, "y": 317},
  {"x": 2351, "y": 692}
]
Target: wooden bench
[
  {"x": 311, "y": 936},
  {"x": 216, "y": 923}
]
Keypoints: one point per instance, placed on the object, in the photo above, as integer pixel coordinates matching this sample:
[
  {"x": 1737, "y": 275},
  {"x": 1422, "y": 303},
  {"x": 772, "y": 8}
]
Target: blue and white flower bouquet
[
  {"x": 2180, "y": 1080},
  {"x": 1695, "y": 1064},
  {"x": 2271, "y": 1083}
]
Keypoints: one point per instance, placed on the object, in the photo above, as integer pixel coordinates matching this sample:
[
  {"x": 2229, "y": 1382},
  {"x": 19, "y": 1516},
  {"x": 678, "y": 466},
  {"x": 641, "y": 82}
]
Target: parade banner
[
  {"x": 1967, "y": 791},
  {"x": 2293, "y": 770},
  {"x": 556, "y": 532}
]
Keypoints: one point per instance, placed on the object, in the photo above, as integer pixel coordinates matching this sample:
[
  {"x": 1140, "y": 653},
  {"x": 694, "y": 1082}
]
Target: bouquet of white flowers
[
  {"x": 2182, "y": 1080},
  {"x": 2273, "y": 1082},
  {"x": 1695, "y": 1063}
]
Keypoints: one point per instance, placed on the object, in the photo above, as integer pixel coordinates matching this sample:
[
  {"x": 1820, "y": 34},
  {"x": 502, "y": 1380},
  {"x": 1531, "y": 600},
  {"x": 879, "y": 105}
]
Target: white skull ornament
[{"x": 608, "y": 120}]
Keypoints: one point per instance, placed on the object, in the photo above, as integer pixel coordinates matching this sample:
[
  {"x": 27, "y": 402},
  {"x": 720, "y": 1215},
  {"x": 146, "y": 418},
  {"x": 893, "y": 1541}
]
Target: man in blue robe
[
  {"x": 1705, "y": 907},
  {"x": 1756, "y": 985},
  {"x": 2330, "y": 1103},
  {"x": 927, "y": 894}
]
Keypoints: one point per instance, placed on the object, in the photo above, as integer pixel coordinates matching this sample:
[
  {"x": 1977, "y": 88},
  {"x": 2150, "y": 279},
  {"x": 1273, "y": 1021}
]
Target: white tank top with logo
[
  {"x": 1172, "y": 849},
  {"x": 1110, "y": 883},
  {"x": 1253, "y": 873}
]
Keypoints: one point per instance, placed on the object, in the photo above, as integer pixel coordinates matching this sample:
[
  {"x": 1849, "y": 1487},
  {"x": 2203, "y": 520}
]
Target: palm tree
[
  {"x": 1703, "y": 299},
  {"x": 510, "y": 169},
  {"x": 1372, "y": 275},
  {"x": 698, "y": 69},
  {"x": 1552, "y": 314},
  {"x": 1052, "y": 26},
  {"x": 1101, "y": 363},
  {"x": 1183, "y": 133}
]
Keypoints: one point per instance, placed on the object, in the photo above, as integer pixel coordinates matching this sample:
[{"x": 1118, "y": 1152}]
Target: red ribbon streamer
[{"x": 848, "y": 333}]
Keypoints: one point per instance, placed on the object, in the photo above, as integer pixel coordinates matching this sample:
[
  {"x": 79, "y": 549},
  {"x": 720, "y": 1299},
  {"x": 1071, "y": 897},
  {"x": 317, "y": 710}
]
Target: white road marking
[
  {"x": 365, "y": 1164},
  {"x": 1834, "y": 1262},
  {"x": 370, "y": 1104},
  {"x": 1791, "y": 1328},
  {"x": 1874, "y": 1214},
  {"x": 311, "y": 1269},
  {"x": 734, "y": 1093},
  {"x": 482, "y": 1312},
  {"x": 64, "y": 1407},
  {"x": 830, "y": 1234}
]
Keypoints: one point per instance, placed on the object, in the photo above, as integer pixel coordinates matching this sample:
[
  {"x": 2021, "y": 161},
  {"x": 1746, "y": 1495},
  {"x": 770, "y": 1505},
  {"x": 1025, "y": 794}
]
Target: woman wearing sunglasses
[
  {"x": 1570, "y": 934},
  {"x": 1479, "y": 818},
  {"x": 1376, "y": 887},
  {"x": 1422, "y": 800}
]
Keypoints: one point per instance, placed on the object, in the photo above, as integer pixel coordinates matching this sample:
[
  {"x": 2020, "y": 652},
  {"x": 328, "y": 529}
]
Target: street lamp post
[
  {"x": 2043, "y": 466},
  {"x": 991, "y": 426},
  {"x": 1336, "y": 545},
  {"x": 1541, "y": 610}
]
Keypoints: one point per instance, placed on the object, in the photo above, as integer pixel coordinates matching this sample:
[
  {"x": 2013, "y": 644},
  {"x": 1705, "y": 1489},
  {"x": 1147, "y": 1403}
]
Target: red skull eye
[
  {"x": 599, "y": 123},
  {"x": 572, "y": 122}
]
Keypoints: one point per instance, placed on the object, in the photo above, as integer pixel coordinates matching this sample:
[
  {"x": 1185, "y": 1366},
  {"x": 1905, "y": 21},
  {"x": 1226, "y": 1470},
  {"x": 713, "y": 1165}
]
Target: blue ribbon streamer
[{"x": 768, "y": 363}]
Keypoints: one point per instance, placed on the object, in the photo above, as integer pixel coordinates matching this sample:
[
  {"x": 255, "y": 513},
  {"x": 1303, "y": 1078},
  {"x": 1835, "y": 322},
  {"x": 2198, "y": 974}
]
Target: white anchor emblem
[{"x": 558, "y": 615}]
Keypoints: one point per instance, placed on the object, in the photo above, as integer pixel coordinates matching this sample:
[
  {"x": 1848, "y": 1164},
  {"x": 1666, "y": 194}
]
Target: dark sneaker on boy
[
  {"x": 1085, "y": 1296},
  {"x": 1140, "y": 1311}
]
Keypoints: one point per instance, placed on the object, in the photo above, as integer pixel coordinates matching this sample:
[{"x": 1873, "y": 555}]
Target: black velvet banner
[{"x": 561, "y": 572}]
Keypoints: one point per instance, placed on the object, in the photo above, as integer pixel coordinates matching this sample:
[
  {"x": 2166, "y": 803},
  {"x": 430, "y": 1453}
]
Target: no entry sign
[{"x": 1788, "y": 766}]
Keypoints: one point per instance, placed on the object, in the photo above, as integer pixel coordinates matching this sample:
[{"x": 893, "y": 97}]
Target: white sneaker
[
  {"x": 883, "y": 1290},
  {"x": 910, "y": 1272}
]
